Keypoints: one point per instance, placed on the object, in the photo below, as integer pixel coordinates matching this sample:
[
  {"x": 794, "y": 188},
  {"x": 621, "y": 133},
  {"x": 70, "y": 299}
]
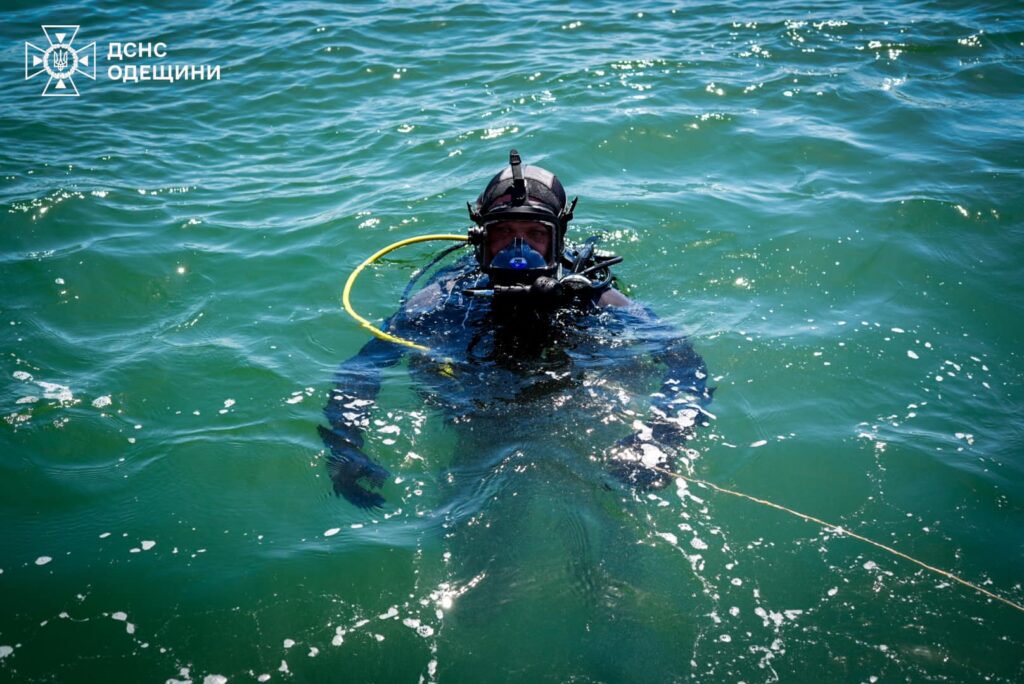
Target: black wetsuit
[{"x": 492, "y": 363}]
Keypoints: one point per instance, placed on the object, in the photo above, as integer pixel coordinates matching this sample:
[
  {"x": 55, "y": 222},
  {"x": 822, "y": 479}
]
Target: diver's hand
[
  {"x": 347, "y": 465},
  {"x": 641, "y": 463}
]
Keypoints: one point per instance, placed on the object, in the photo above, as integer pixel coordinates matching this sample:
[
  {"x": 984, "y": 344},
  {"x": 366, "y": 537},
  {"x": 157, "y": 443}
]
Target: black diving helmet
[{"x": 520, "y": 218}]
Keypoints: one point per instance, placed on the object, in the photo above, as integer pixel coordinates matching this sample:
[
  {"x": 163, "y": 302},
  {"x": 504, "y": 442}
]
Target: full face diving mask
[{"x": 525, "y": 250}]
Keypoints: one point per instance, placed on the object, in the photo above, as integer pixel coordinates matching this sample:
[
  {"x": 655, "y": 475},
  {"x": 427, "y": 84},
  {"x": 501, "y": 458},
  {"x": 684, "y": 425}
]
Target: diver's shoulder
[
  {"x": 612, "y": 297},
  {"x": 445, "y": 288},
  {"x": 425, "y": 298}
]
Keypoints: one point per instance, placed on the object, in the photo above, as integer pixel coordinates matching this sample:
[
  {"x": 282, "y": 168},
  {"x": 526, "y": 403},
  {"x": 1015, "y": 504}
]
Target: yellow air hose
[{"x": 345, "y": 302}]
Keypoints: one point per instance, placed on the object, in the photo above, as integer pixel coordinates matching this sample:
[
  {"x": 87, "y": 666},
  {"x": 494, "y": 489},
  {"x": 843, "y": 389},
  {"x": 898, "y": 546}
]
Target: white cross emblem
[{"x": 60, "y": 61}]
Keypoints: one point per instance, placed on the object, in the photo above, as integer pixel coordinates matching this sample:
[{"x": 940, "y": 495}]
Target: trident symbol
[{"x": 60, "y": 60}]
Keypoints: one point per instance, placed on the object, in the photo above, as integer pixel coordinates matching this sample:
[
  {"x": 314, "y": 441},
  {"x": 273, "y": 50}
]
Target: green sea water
[{"x": 825, "y": 197}]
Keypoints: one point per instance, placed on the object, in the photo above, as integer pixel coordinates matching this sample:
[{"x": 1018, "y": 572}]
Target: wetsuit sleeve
[
  {"x": 356, "y": 385},
  {"x": 680, "y": 403},
  {"x": 646, "y": 457},
  {"x": 679, "y": 406}
]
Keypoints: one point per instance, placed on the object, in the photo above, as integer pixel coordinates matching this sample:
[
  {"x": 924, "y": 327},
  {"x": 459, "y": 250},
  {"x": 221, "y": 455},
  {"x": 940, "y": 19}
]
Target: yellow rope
[
  {"x": 838, "y": 529},
  {"x": 377, "y": 332}
]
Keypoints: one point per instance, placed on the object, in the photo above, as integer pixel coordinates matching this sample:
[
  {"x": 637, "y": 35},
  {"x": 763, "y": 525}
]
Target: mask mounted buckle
[
  {"x": 566, "y": 214},
  {"x": 518, "y": 182}
]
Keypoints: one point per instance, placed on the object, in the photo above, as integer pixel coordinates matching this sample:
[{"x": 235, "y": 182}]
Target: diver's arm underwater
[
  {"x": 676, "y": 409},
  {"x": 357, "y": 383}
]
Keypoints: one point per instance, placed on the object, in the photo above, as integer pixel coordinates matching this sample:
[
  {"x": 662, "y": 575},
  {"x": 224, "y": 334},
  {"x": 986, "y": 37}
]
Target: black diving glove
[
  {"x": 641, "y": 463},
  {"x": 347, "y": 465}
]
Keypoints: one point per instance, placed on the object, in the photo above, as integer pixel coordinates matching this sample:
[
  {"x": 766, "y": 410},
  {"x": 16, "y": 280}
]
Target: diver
[{"x": 528, "y": 327}]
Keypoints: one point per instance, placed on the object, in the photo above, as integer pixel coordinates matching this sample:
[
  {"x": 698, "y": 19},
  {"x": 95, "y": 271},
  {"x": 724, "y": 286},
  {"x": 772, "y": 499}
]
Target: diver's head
[{"x": 520, "y": 217}]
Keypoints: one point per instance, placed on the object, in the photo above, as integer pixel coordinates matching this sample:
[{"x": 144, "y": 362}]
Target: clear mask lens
[{"x": 521, "y": 245}]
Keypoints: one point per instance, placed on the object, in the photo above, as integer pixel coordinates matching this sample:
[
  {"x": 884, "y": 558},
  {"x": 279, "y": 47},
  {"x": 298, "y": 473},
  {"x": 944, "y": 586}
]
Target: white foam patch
[
  {"x": 52, "y": 390},
  {"x": 644, "y": 433},
  {"x": 669, "y": 537},
  {"x": 358, "y": 403},
  {"x": 768, "y": 618},
  {"x": 215, "y": 679},
  {"x": 912, "y": 354},
  {"x": 43, "y": 560},
  {"x": 683, "y": 491},
  {"x": 331, "y": 532},
  {"x": 5, "y": 651},
  {"x": 148, "y": 544},
  {"x": 100, "y": 402},
  {"x": 22, "y": 375},
  {"x": 120, "y": 616},
  {"x": 288, "y": 643},
  {"x": 759, "y": 443},
  {"x": 652, "y": 455}
]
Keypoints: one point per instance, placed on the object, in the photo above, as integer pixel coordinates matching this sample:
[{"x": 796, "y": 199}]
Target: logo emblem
[{"x": 60, "y": 61}]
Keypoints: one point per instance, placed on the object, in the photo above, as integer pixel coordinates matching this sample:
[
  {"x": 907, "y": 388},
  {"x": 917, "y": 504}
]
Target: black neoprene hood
[{"x": 542, "y": 195}]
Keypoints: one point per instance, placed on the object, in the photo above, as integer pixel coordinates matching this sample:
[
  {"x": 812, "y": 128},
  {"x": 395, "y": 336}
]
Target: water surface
[{"x": 825, "y": 198}]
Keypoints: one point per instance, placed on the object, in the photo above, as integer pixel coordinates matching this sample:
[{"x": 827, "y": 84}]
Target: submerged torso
[{"x": 489, "y": 362}]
